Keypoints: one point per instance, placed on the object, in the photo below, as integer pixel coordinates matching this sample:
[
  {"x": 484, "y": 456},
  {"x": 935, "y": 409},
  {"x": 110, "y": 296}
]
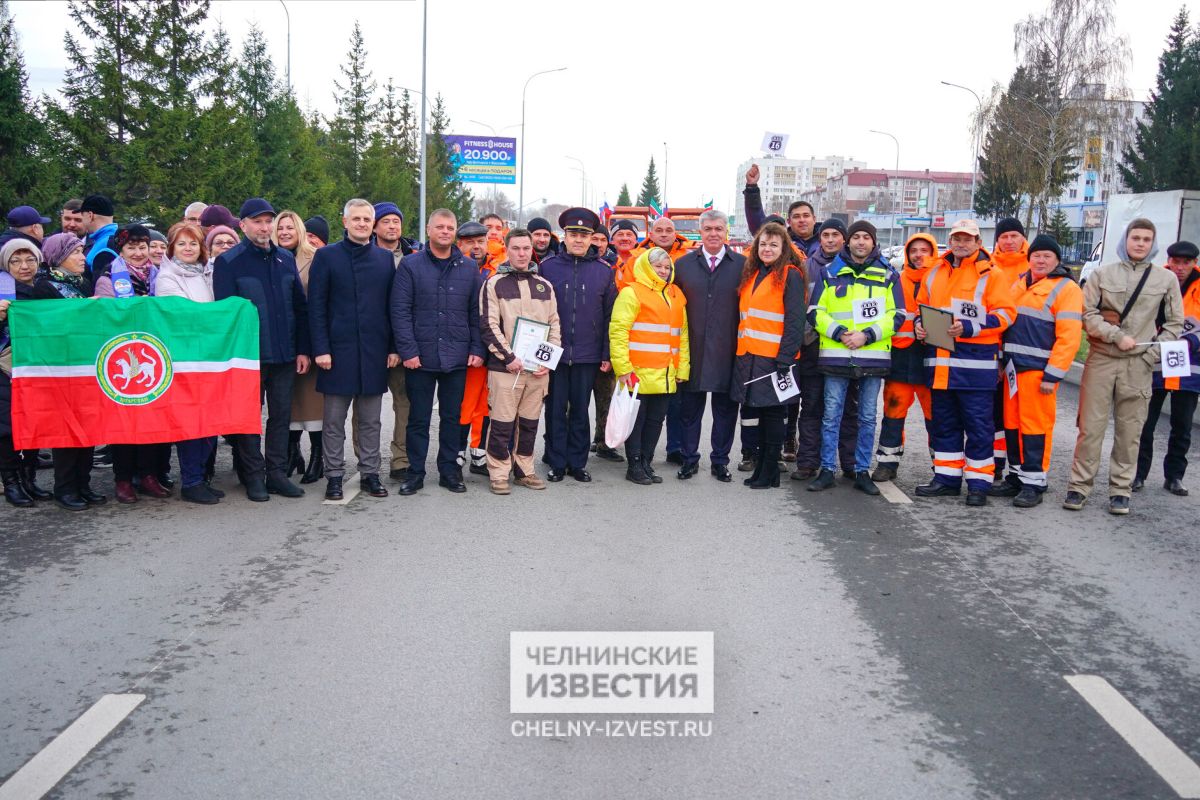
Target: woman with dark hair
[{"x": 772, "y": 309}]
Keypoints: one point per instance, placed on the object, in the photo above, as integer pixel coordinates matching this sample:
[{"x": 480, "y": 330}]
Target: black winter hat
[
  {"x": 1009, "y": 225},
  {"x": 318, "y": 226},
  {"x": 97, "y": 204},
  {"x": 778, "y": 220},
  {"x": 1044, "y": 241},
  {"x": 1183, "y": 250},
  {"x": 835, "y": 224},
  {"x": 539, "y": 224},
  {"x": 622, "y": 225},
  {"x": 865, "y": 227}
]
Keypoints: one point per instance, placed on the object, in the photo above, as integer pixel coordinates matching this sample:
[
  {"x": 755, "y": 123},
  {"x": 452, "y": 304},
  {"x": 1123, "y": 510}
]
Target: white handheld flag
[
  {"x": 775, "y": 143},
  {"x": 1175, "y": 361}
]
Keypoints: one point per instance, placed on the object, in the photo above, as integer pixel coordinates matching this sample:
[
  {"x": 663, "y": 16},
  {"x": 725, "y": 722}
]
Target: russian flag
[{"x": 605, "y": 212}]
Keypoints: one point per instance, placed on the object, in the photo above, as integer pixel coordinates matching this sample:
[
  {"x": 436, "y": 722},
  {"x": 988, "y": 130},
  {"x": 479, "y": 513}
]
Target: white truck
[{"x": 1176, "y": 215}]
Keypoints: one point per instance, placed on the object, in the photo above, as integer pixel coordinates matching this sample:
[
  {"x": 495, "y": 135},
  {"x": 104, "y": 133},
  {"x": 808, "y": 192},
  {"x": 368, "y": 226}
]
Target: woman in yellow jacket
[{"x": 648, "y": 345}]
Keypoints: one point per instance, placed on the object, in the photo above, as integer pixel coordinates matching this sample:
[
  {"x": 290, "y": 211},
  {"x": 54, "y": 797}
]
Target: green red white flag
[{"x": 133, "y": 371}]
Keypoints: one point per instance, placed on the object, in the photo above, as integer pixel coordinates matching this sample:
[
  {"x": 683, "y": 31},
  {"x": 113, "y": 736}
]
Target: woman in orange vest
[
  {"x": 648, "y": 345},
  {"x": 771, "y": 331}
]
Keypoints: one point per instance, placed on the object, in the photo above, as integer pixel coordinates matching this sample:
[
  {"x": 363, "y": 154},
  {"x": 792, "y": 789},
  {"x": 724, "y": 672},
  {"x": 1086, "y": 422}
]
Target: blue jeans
[
  {"x": 193, "y": 458},
  {"x": 835, "y": 401}
]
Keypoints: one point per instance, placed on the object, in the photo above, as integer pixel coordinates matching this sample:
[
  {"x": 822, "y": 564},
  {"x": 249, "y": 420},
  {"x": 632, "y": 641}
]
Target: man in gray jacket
[{"x": 1122, "y": 302}]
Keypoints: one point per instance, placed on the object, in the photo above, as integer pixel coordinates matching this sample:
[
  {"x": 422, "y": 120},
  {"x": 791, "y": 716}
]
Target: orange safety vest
[
  {"x": 761, "y": 314},
  {"x": 654, "y": 335}
]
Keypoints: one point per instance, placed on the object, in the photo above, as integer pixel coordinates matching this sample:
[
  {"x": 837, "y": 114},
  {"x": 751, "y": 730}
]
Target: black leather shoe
[
  {"x": 976, "y": 499},
  {"x": 675, "y": 458},
  {"x": 452, "y": 482},
  {"x": 554, "y": 475},
  {"x": 281, "y": 486},
  {"x": 608, "y": 453},
  {"x": 1028, "y": 498},
  {"x": 71, "y": 502},
  {"x": 1175, "y": 487},
  {"x": 936, "y": 489},
  {"x": 411, "y": 485},
  {"x": 333, "y": 488},
  {"x": 371, "y": 485},
  {"x": 863, "y": 482},
  {"x": 824, "y": 480},
  {"x": 28, "y": 475},
  {"x": 199, "y": 494},
  {"x": 256, "y": 490},
  {"x": 216, "y": 492},
  {"x": 687, "y": 471},
  {"x": 721, "y": 473},
  {"x": 1006, "y": 487},
  {"x": 581, "y": 474},
  {"x": 165, "y": 480},
  {"x": 399, "y": 475},
  {"x": 93, "y": 498},
  {"x": 1138, "y": 484}
]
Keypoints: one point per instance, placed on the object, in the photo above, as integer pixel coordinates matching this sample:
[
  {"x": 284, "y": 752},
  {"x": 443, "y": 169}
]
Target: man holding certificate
[
  {"x": 518, "y": 312},
  {"x": 963, "y": 381}
]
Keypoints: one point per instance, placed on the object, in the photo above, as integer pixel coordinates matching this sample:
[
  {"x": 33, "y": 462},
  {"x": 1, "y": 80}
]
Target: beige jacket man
[{"x": 1118, "y": 372}]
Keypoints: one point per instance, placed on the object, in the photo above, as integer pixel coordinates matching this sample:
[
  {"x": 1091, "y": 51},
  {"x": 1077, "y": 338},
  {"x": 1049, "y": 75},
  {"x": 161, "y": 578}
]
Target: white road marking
[
  {"x": 892, "y": 492},
  {"x": 349, "y": 491},
  {"x": 47, "y": 768},
  {"x": 1172, "y": 764}
]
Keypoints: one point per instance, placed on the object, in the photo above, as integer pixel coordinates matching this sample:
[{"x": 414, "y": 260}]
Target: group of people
[{"x": 796, "y": 338}]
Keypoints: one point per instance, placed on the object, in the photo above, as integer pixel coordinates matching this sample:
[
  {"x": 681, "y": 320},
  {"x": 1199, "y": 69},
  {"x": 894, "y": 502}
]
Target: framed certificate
[
  {"x": 936, "y": 323},
  {"x": 527, "y": 335}
]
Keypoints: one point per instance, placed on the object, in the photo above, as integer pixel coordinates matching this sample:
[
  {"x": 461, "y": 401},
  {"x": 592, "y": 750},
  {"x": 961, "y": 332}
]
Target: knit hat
[
  {"x": 539, "y": 224},
  {"x": 218, "y": 215},
  {"x": 835, "y": 224},
  {"x": 623, "y": 225},
  {"x": 97, "y": 204},
  {"x": 157, "y": 236},
  {"x": 217, "y": 231},
  {"x": 1044, "y": 241},
  {"x": 318, "y": 226},
  {"x": 863, "y": 226},
  {"x": 778, "y": 220},
  {"x": 1009, "y": 225},
  {"x": 1183, "y": 250},
  {"x": 56, "y": 248},
  {"x": 384, "y": 209},
  {"x": 16, "y": 246},
  {"x": 131, "y": 233}
]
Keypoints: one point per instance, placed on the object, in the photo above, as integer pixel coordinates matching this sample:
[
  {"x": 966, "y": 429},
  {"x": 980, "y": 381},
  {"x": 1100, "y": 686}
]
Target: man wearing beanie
[
  {"x": 1038, "y": 351},
  {"x": 856, "y": 308},
  {"x": 1181, "y": 260},
  {"x": 1011, "y": 259},
  {"x": 97, "y": 212},
  {"x": 1122, "y": 302},
  {"x": 317, "y": 231},
  {"x": 389, "y": 229},
  {"x": 545, "y": 243}
]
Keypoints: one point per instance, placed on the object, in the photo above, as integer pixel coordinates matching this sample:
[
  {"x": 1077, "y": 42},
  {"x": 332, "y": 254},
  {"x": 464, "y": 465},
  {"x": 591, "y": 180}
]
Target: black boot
[
  {"x": 768, "y": 456},
  {"x": 758, "y": 469},
  {"x": 29, "y": 475},
  {"x": 316, "y": 464},
  {"x": 635, "y": 472},
  {"x": 295, "y": 459},
  {"x": 14, "y": 489}
]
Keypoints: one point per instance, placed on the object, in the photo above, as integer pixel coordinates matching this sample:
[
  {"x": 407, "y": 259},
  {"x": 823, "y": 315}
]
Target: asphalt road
[{"x": 863, "y": 648}]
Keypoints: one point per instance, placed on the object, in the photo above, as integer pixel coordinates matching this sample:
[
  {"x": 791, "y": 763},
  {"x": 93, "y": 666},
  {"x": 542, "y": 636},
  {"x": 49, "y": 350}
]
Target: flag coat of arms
[{"x": 133, "y": 371}]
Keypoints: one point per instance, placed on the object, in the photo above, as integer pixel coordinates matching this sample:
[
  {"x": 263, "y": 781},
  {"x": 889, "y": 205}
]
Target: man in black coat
[
  {"x": 266, "y": 275},
  {"x": 435, "y": 322},
  {"x": 349, "y": 289},
  {"x": 710, "y": 277}
]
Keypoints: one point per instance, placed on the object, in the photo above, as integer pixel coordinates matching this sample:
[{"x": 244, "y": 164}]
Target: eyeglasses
[{"x": 22, "y": 262}]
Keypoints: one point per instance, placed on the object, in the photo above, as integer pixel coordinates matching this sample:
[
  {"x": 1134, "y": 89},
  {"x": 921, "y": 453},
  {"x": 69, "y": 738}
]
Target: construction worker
[
  {"x": 1181, "y": 260},
  {"x": 1122, "y": 303},
  {"x": 473, "y": 242},
  {"x": 1010, "y": 258},
  {"x": 856, "y": 308},
  {"x": 963, "y": 383},
  {"x": 1038, "y": 351},
  {"x": 906, "y": 379}
]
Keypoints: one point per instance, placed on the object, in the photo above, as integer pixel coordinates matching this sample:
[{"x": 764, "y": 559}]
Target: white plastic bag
[{"x": 622, "y": 413}]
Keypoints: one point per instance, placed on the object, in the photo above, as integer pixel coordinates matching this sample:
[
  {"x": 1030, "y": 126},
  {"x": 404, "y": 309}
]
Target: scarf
[
  {"x": 67, "y": 284},
  {"x": 193, "y": 270},
  {"x": 138, "y": 276}
]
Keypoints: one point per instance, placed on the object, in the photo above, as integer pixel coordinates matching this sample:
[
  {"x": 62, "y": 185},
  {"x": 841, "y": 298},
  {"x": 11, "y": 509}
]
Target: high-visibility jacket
[
  {"x": 910, "y": 282},
  {"x": 972, "y": 365},
  {"x": 1191, "y": 335},
  {"x": 623, "y": 271},
  {"x": 761, "y": 317},
  {"x": 1049, "y": 324},
  {"x": 648, "y": 331},
  {"x": 840, "y": 289},
  {"x": 1011, "y": 265}
]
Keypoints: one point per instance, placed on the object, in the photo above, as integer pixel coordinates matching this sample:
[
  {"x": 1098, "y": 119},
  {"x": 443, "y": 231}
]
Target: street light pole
[
  {"x": 891, "y": 230},
  {"x": 975, "y": 160},
  {"x": 289, "y": 44},
  {"x": 524, "y": 131},
  {"x": 666, "y": 168},
  {"x": 582, "y": 181},
  {"x": 424, "y": 147}
]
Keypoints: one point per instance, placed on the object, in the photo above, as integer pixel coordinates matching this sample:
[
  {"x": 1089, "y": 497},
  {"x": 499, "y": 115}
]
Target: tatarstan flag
[{"x": 132, "y": 371}]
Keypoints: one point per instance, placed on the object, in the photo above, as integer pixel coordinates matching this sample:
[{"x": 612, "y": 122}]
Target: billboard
[{"x": 483, "y": 159}]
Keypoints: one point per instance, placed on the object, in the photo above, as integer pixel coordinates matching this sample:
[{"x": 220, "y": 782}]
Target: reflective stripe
[
  {"x": 950, "y": 472},
  {"x": 831, "y": 331},
  {"x": 1055, "y": 371},
  {"x": 1037, "y": 313},
  {"x": 962, "y": 363},
  {"x": 979, "y": 463},
  {"x": 904, "y": 335},
  {"x": 980, "y": 286},
  {"x": 653, "y": 327},
  {"x": 750, "y": 422},
  {"x": 842, "y": 314},
  {"x": 875, "y": 331},
  {"x": 1070, "y": 315},
  {"x": 890, "y": 451},
  {"x": 650, "y": 348},
  {"x": 948, "y": 456},
  {"x": 676, "y": 331},
  {"x": 1003, "y": 314},
  {"x": 760, "y": 335},
  {"x": 1025, "y": 350},
  {"x": 767, "y": 315},
  {"x": 742, "y": 315},
  {"x": 1058, "y": 287}
]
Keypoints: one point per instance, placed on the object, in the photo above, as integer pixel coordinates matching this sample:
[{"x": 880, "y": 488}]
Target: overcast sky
[{"x": 708, "y": 79}]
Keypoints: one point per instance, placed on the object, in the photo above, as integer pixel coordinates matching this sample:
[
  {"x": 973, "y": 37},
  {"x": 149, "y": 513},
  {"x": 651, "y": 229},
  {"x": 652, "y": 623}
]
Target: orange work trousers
[
  {"x": 897, "y": 400},
  {"x": 475, "y": 403},
  {"x": 1029, "y": 428}
]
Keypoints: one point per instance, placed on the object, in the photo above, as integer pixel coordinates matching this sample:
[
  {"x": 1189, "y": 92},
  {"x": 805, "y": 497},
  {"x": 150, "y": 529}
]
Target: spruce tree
[
  {"x": 623, "y": 197},
  {"x": 444, "y": 189},
  {"x": 1060, "y": 228},
  {"x": 388, "y": 168},
  {"x": 350, "y": 128},
  {"x": 20, "y": 170},
  {"x": 650, "y": 190},
  {"x": 1165, "y": 153}
]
